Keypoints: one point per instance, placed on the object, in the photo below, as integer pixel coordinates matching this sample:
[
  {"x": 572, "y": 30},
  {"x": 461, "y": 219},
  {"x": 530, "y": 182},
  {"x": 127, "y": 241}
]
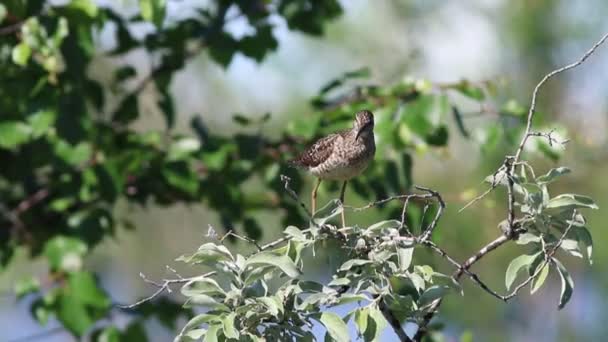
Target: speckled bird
[{"x": 340, "y": 156}]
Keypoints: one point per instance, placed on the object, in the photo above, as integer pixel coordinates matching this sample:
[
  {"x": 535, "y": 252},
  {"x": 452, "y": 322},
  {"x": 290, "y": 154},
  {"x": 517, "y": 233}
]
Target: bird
[{"x": 340, "y": 156}]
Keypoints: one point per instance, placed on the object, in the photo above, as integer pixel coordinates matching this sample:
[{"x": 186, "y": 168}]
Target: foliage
[
  {"x": 266, "y": 295},
  {"x": 70, "y": 153}
]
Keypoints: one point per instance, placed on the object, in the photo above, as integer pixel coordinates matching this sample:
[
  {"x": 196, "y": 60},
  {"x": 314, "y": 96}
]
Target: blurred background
[{"x": 512, "y": 43}]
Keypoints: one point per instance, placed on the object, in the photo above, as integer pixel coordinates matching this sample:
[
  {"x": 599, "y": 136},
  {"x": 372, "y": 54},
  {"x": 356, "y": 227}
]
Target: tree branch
[{"x": 510, "y": 162}]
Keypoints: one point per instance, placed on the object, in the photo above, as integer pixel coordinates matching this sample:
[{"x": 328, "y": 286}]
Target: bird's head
[{"x": 364, "y": 122}]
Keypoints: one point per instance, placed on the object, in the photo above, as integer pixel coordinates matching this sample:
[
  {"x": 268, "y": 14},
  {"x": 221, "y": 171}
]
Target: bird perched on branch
[{"x": 340, "y": 156}]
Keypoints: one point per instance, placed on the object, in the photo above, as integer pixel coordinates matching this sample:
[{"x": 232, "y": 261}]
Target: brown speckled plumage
[{"x": 340, "y": 156}]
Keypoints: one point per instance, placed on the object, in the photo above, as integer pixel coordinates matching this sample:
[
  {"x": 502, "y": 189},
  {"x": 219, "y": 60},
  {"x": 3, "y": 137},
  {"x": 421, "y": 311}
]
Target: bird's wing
[{"x": 317, "y": 152}]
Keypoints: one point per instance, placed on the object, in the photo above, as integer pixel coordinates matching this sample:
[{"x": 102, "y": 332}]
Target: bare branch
[
  {"x": 429, "y": 230},
  {"x": 293, "y": 194},
  {"x": 532, "y": 109},
  {"x": 164, "y": 286},
  {"x": 240, "y": 237},
  {"x": 495, "y": 182}
]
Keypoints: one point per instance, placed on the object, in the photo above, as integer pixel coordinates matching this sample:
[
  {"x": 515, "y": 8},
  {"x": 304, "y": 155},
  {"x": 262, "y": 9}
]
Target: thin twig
[
  {"x": 532, "y": 109},
  {"x": 429, "y": 230},
  {"x": 422, "y": 329},
  {"x": 293, "y": 194},
  {"x": 164, "y": 286},
  {"x": 495, "y": 182},
  {"x": 240, "y": 237}
]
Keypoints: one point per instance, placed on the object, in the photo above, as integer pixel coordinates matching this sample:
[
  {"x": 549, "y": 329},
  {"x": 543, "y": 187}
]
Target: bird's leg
[
  {"x": 342, "y": 202},
  {"x": 313, "y": 197}
]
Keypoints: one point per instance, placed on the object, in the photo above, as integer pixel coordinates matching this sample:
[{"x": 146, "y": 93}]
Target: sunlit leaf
[
  {"x": 336, "y": 328},
  {"x": 281, "y": 261},
  {"x": 519, "y": 263},
  {"x": 567, "y": 284},
  {"x": 539, "y": 280}
]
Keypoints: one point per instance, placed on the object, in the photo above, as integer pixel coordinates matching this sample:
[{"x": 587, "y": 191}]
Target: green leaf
[
  {"x": 460, "y": 122},
  {"x": 281, "y": 261},
  {"x": 361, "y": 319},
  {"x": 229, "y": 329},
  {"x": 212, "y": 333},
  {"x": 540, "y": 279},
  {"x": 295, "y": 233},
  {"x": 375, "y": 325},
  {"x": 82, "y": 285},
  {"x": 208, "y": 253},
  {"x": 13, "y": 134},
  {"x": 468, "y": 89},
  {"x": 202, "y": 285},
  {"x": 65, "y": 253},
  {"x": 405, "y": 255},
  {"x": 567, "y": 284},
  {"x": 378, "y": 227},
  {"x": 41, "y": 122},
  {"x": 274, "y": 304},
  {"x": 75, "y": 155},
  {"x": 194, "y": 323},
  {"x": 88, "y": 7},
  {"x": 522, "y": 261},
  {"x": 2, "y": 13},
  {"x": 153, "y": 11},
  {"x": 21, "y": 53},
  {"x": 327, "y": 212},
  {"x": 432, "y": 294},
  {"x": 181, "y": 176},
  {"x": 81, "y": 303},
  {"x": 354, "y": 262},
  {"x": 183, "y": 147},
  {"x": 26, "y": 286},
  {"x": 571, "y": 201},
  {"x": 336, "y": 328},
  {"x": 585, "y": 241},
  {"x": 552, "y": 175},
  {"x": 109, "y": 334},
  {"x": 526, "y": 238}
]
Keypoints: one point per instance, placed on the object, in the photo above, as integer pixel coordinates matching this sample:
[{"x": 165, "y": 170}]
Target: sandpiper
[{"x": 340, "y": 156}]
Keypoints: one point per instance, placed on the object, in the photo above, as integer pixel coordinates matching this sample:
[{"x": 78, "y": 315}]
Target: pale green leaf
[
  {"x": 539, "y": 280},
  {"x": 13, "y": 134},
  {"x": 585, "y": 242},
  {"x": 153, "y": 11},
  {"x": 229, "y": 329},
  {"x": 522, "y": 261},
  {"x": 567, "y": 284},
  {"x": 21, "y": 53},
  {"x": 552, "y": 175},
  {"x": 336, "y": 328},
  {"x": 281, "y": 261},
  {"x": 327, "y": 212},
  {"x": 571, "y": 201},
  {"x": 202, "y": 285},
  {"x": 354, "y": 262},
  {"x": 405, "y": 257}
]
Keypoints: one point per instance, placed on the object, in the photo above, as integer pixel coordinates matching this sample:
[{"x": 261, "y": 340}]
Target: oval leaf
[
  {"x": 281, "y": 261},
  {"x": 336, "y": 328},
  {"x": 515, "y": 266},
  {"x": 540, "y": 279},
  {"x": 571, "y": 201},
  {"x": 567, "y": 284}
]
